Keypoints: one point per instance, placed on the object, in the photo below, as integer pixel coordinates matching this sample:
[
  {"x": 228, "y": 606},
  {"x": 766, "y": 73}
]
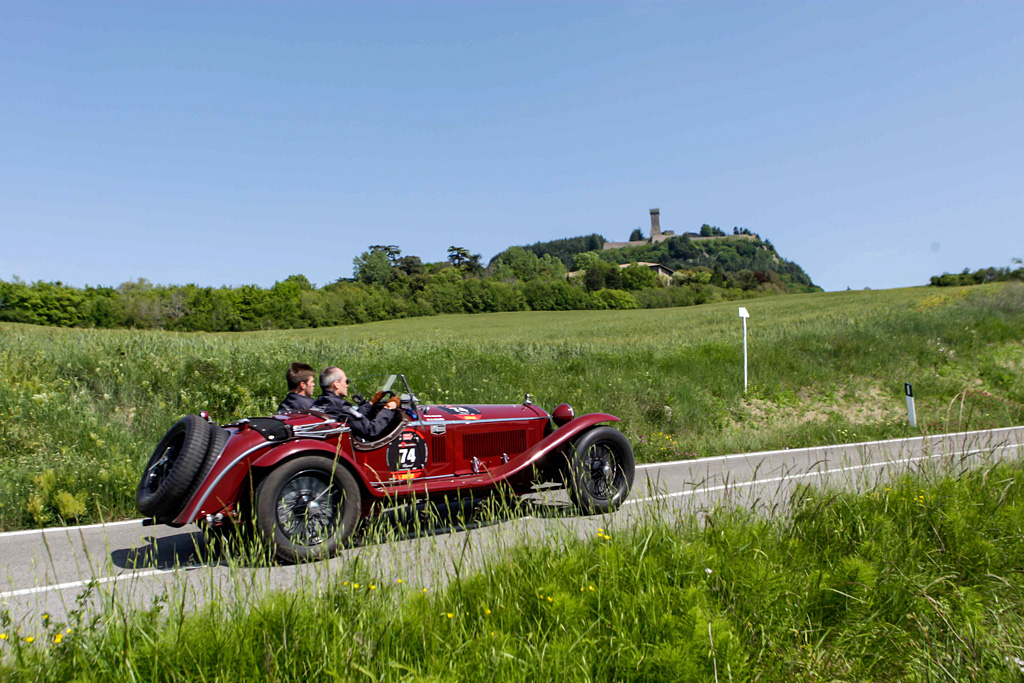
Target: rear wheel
[
  {"x": 172, "y": 468},
  {"x": 307, "y": 507},
  {"x": 601, "y": 469}
]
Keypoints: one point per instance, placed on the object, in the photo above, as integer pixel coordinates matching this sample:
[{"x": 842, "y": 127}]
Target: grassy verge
[
  {"x": 80, "y": 410},
  {"x": 920, "y": 579}
]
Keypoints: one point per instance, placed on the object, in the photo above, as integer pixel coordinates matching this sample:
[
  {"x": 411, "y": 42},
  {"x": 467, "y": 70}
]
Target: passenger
[
  {"x": 301, "y": 382},
  {"x": 334, "y": 385}
]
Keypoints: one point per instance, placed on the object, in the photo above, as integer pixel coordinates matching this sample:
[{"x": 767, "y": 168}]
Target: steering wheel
[{"x": 385, "y": 396}]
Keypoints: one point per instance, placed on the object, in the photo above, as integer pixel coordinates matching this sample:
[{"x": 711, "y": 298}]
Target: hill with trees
[
  {"x": 733, "y": 260},
  {"x": 567, "y": 274}
]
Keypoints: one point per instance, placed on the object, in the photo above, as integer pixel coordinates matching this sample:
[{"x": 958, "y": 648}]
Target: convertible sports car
[{"x": 304, "y": 480}]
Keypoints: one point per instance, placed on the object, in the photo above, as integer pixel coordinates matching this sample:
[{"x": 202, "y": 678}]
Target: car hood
[{"x": 463, "y": 412}]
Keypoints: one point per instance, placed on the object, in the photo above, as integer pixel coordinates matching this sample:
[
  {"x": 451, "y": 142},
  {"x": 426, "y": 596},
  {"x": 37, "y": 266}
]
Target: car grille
[
  {"x": 438, "y": 452},
  {"x": 494, "y": 444}
]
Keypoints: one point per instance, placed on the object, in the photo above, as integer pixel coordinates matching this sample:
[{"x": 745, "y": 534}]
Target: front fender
[
  {"x": 522, "y": 471},
  {"x": 556, "y": 440}
]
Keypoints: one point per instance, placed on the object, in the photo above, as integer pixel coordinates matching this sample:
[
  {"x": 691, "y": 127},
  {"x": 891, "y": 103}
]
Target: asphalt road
[{"x": 49, "y": 570}]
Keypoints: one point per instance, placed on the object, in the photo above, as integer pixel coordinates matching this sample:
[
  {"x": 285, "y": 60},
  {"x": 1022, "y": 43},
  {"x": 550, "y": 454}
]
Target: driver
[{"x": 334, "y": 385}]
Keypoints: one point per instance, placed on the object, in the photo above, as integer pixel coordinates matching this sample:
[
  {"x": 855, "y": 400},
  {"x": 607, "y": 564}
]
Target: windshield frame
[{"x": 395, "y": 382}]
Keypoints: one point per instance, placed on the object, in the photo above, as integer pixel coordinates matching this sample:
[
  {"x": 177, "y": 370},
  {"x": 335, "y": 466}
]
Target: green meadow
[{"x": 81, "y": 409}]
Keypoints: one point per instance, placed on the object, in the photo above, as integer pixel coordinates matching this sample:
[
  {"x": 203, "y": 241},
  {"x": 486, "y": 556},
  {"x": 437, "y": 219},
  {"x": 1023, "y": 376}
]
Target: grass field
[{"x": 80, "y": 410}]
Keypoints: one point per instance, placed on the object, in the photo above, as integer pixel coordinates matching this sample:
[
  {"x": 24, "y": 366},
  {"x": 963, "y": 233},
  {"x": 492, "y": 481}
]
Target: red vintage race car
[{"x": 304, "y": 480}]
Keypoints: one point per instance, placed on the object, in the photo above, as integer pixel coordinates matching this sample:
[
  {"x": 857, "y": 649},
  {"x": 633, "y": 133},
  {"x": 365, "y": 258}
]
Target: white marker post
[
  {"x": 911, "y": 414},
  {"x": 744, "y": 315}
]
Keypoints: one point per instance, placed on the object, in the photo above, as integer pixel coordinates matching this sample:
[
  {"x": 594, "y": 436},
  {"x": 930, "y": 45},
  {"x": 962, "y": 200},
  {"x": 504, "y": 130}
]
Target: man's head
[
  {"x": 334, "y": 381},
  {"x": 301, "y": 379}
]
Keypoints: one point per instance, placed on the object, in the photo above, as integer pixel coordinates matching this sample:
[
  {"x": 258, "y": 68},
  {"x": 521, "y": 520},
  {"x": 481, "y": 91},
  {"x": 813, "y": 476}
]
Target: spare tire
[
  {"x": 173, "y": 467},
  {"x": 218, "y": 440}
]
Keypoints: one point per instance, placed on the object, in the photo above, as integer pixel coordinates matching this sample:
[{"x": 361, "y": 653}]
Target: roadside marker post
[
  {"x": 911, "y": 414},
  {"x": 744, "y": 314}
]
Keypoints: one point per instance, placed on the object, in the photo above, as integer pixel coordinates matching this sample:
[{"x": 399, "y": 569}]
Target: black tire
[
  {"x": 290, "y": 512},
  {"x": 218, "y": 439},
  {"x": 601, "y": 469},
  {"x": 172, "y": 468}
]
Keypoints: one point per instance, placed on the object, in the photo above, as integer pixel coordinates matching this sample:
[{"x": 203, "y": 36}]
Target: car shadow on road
[
  {"x": 167, "y": 552},
  {"x": 198, "y": 548}
]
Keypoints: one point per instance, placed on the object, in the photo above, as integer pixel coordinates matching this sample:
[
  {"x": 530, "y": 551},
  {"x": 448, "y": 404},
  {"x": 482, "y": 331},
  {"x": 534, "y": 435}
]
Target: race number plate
[{"x": 407, "y": 453}]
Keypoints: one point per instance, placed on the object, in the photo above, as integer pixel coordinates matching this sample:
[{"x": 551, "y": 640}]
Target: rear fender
[
  {"x": 308, "y": 447},
  {"x": 224, "y": 482},
  {"x": 293, "y": 449}
]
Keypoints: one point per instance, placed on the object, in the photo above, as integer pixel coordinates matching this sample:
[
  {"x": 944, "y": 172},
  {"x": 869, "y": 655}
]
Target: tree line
[
  {"x": 980, "y": 276},
  {"x": 388, "y": 284}
]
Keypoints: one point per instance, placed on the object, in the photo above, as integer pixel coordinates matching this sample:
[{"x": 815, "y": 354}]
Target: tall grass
[
  {"x": 919, "y": 579},
  {"x": 80, "y": 410}
]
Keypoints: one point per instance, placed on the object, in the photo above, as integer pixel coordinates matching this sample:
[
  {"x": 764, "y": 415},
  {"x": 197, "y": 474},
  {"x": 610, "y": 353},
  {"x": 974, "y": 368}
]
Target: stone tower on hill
[{"x": 656, "y": 237}]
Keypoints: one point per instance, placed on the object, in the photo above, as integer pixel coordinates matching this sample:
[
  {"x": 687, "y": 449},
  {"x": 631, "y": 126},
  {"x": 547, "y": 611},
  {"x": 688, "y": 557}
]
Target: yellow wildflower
[
  {"x": 30, "y": 639},
  {"x": 57, "y": 638}
]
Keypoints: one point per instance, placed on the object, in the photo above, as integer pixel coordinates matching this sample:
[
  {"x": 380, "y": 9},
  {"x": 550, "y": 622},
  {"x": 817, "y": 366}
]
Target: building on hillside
[
  {"x": 656, "y": 267},
  {"x": 657, "y": 236}
]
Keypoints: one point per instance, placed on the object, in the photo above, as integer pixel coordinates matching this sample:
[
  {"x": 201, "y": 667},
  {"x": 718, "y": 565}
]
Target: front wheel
[
  {"x": 307, "y": 507},
  {"x": 601, "y": 469}
]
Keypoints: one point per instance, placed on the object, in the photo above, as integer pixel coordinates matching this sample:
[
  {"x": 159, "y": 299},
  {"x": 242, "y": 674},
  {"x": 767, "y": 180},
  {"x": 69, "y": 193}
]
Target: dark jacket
[
  {"x": 356, "y": 418},
  {"x": 295, "y": 401}
]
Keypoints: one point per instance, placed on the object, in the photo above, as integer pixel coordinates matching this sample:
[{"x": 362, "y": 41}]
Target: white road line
[
  {"x": 82, "y": 584},
  {"x": 69, "y": 529},
  {"x": 908, "y": 439},
  {"x": 816, "y": 473}
]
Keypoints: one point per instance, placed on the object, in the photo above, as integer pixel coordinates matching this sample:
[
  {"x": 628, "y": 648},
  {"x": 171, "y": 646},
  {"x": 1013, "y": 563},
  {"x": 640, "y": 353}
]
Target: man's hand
[
  {"x": 376, "y": 397},
  {"x": 392, "y": 404}
]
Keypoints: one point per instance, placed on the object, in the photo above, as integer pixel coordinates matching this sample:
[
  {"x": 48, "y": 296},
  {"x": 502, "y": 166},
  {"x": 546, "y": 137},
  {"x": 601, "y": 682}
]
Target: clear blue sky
[{"x": 875, "y": 144}]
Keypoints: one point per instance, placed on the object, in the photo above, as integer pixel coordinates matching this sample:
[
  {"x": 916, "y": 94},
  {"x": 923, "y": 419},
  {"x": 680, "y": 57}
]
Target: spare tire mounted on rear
[{"x": 173, "y": 467}]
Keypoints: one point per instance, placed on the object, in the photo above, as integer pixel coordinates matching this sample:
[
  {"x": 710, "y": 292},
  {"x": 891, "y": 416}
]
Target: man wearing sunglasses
[{"x": 334, "y": 385}]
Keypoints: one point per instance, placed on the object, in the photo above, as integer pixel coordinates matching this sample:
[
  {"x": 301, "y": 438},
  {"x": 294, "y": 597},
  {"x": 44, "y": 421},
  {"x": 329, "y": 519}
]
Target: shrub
[
  {"x": 636, "y": 277},
  {"x": 613, "y": 299}
]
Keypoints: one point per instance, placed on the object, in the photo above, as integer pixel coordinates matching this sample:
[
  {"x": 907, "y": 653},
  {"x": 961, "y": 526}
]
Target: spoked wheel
[
  {"x": 307, "y": 507},
  {"x": 601, "y": 468}
]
